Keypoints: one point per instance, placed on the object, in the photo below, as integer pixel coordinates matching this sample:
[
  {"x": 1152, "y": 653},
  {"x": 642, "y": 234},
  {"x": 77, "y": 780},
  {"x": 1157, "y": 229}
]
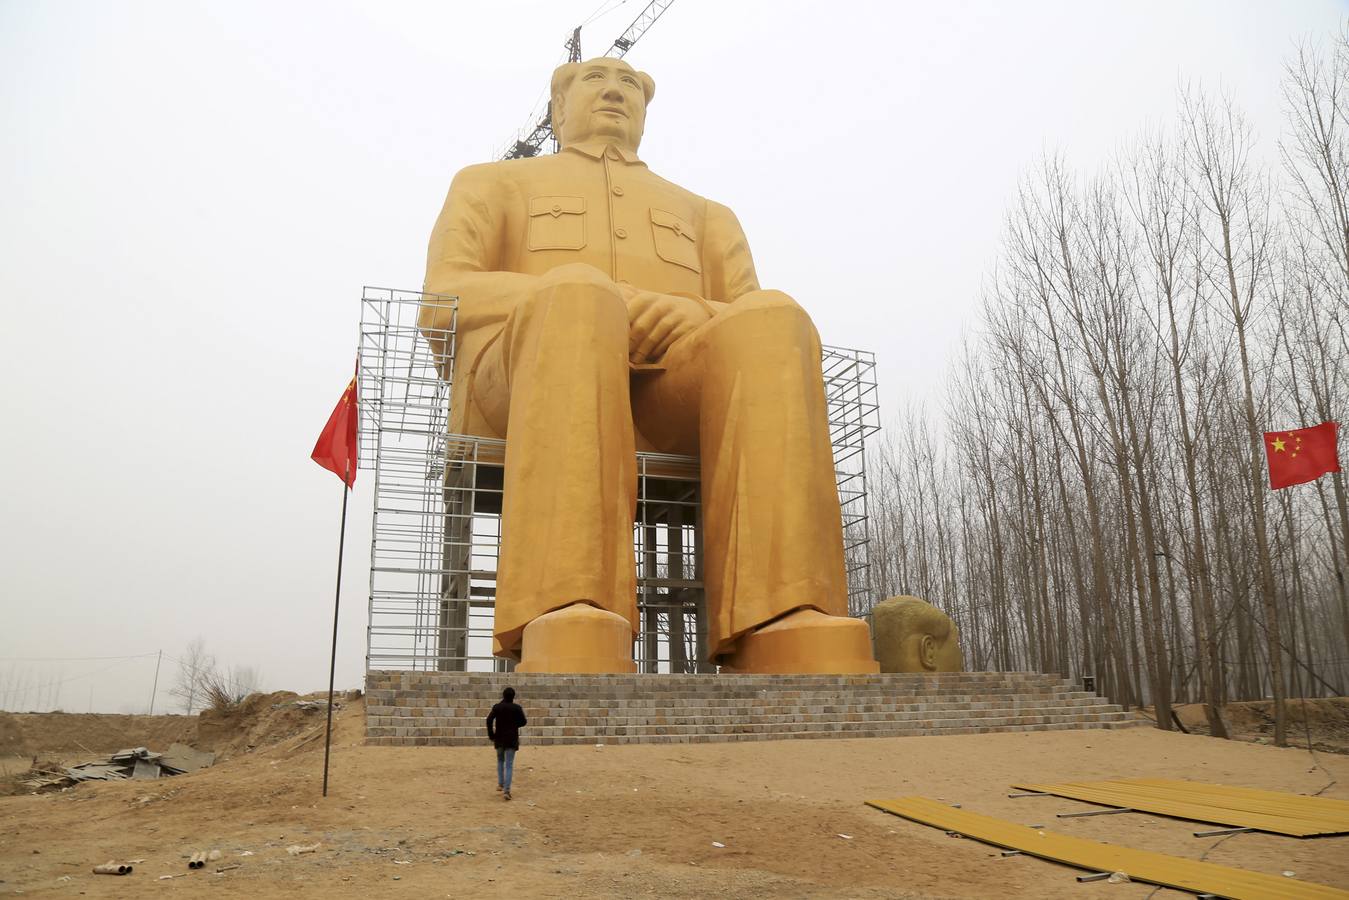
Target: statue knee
[
  {"x": 764, "y": 300},
  {"x": 770, "y": 321},
  {"x": 579, "y": 293}
]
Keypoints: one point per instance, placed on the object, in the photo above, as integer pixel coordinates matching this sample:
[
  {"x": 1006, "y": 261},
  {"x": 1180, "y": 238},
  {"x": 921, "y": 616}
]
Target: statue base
[
  {"x": 577, "y": 640},
  {"x": 804, "y": 642}
]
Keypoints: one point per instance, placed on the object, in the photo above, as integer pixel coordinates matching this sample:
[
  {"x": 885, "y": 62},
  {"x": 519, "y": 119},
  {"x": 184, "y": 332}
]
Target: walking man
[{"x": 503, "y": 730}]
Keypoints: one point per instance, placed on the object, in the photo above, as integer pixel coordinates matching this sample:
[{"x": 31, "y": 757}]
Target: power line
[
  {"x": 51, "y": 684},
  {"x": 70, "y": 658}
]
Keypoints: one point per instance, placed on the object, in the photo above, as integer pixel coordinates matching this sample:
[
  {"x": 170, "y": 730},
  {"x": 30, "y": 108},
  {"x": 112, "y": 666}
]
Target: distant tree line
[{"x": 1095, "y": 498}]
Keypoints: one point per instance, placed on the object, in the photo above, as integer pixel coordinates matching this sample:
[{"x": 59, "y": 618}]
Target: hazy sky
[{"x": 193, "y": 194}]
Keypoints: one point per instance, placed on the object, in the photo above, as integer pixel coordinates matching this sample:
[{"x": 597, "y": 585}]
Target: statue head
[
  {"x": 600, "y": 99},
  {"x": 912, "y": 635}
]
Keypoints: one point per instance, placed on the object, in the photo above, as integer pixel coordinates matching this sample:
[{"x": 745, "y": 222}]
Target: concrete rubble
[{"x": 136, "y": 763}]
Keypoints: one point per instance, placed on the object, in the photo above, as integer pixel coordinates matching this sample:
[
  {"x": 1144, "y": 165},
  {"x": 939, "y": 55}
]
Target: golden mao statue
[{"x": 602, "y": 308}]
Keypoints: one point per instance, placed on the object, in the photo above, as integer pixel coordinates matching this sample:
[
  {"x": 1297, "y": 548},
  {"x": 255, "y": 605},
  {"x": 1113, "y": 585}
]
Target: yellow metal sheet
[
  {"x": 1271, "y": 811},
  {"x": 1139, "y": 865}
]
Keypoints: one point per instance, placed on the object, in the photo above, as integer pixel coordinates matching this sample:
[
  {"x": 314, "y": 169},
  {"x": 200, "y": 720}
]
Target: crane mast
[{"x": 541, "y": 132}]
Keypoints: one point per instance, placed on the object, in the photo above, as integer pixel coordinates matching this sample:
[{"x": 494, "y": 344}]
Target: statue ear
[{"x": 927, "y": 652}]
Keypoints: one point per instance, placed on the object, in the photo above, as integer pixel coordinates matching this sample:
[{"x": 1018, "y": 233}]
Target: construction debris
[
  {"x": 113, "y": 868},
  {"x": 137, "y": 763}
]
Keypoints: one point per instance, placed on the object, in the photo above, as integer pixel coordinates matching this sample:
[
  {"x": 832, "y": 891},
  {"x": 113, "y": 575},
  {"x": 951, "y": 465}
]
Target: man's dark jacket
[{"x": 504, "y": 723}]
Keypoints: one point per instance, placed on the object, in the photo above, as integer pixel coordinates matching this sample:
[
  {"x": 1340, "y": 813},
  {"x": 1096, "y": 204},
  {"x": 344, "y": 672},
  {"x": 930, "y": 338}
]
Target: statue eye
[
  {"x": 630, "y": 81},
  {"x": 591, "y": 76}
]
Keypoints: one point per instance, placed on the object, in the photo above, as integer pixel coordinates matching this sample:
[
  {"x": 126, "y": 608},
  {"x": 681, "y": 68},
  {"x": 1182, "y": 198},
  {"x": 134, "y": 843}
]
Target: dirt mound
[
  {"x": 260, "y": 721},
  {"x": 61, "y": 734},
  {"x": 1327, "y": 718}
]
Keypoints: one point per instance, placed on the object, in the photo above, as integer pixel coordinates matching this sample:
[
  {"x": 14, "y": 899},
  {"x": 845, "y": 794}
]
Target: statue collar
[{"x": 597, "y": 149}]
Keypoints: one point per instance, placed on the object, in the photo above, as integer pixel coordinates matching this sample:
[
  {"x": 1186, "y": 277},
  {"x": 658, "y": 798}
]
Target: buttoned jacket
[{"x": 505, "y": 223}]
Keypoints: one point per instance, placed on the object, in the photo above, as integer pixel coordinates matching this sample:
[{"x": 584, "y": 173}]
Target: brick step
[
  {"x": 600, "y": 715},
  {"x": 422, "y": 727},
  {"x": 459, "y": 698},
  {"x": 701, "y": 738},
  {"x": 563, "y": 692},
  {"x": 538, "y": 722},
  {"x": 696, "y": 685},
  {"x": 835, "y": 701},
  {"x": 447, "y": 708}
]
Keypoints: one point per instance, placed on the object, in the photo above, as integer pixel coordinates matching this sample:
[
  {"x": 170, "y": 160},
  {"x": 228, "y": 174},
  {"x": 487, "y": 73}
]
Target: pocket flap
[
  {"x": 674, "y": 223},
  {"x": 556, "y": 206}
]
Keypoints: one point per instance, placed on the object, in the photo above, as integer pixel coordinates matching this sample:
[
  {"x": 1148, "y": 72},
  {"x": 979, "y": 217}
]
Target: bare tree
[{"x": 196, "y": 668}]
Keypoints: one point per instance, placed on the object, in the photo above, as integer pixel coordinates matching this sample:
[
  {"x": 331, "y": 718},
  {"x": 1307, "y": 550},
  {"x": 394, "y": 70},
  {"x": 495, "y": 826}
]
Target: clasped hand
[{"x": 655, "y": 321}]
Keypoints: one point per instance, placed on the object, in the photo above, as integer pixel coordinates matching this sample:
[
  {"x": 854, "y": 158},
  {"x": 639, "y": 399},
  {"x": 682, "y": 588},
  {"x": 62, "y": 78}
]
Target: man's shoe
[
  {"x": 500, "y": 788},
  {"x": 506, "y": 794}
]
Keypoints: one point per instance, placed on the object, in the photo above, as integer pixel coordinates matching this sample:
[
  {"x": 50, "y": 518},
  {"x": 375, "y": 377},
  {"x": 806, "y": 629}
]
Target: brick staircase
[{"x": 449, "y": 708}]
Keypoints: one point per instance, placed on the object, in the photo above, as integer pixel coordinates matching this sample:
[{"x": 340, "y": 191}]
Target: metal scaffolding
[{"x": 437, "y": 512}]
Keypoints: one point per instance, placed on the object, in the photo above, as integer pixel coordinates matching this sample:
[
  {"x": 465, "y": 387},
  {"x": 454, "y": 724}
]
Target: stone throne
[{"x": 436, "y": 527}]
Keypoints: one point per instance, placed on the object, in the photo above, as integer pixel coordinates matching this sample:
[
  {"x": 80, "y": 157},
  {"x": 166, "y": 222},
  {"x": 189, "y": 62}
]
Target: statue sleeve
[
  {"x": 464, "y": 256},
  {"x": 727, "y": 264}
]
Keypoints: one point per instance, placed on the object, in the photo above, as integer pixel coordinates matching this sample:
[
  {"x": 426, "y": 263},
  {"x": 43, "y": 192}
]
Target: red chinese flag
[
  {"x": 1301, "y": 455},
  {"x": 336, "y": 447}
]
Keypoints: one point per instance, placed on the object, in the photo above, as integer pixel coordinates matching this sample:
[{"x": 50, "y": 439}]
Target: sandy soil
[{"x": 629, "y": 821}]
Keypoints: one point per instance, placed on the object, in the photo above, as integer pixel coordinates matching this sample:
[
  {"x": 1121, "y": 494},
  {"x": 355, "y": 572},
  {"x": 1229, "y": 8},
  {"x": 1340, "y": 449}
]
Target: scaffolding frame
[{"x": 436, "y": 525}]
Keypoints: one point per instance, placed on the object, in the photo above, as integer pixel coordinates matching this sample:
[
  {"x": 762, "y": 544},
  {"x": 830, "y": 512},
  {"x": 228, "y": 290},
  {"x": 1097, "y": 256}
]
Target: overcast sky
[{"x": 193, "y": 194}]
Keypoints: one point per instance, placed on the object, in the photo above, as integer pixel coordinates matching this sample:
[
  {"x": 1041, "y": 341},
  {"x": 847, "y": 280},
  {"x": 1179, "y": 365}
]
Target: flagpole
[{"x": 337, "y": 599}]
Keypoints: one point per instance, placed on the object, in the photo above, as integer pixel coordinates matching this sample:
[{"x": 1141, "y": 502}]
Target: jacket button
[
  {"x": 557, "y": 207},
  {"x": 676, "y": 228},
  {"x": 620, "y": 233},
  {"x": 618, "y": 191}
]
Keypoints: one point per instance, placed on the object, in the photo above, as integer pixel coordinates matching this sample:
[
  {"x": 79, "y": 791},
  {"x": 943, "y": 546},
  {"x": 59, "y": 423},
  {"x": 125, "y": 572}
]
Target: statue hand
[{"x": 655, "y": 321}]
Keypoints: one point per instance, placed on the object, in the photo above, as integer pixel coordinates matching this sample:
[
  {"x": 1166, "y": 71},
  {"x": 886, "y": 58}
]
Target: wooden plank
[
  {"x": 1270, "y": 811},
  {"x": 1140, "y": 865}
]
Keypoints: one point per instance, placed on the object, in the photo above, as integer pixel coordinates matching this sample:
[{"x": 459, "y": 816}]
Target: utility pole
[{"x": 154, "y": 690}]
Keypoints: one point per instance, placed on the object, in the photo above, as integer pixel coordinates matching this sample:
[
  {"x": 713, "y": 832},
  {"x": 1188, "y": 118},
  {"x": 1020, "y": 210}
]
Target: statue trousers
[{"x": 743, "y": 392}]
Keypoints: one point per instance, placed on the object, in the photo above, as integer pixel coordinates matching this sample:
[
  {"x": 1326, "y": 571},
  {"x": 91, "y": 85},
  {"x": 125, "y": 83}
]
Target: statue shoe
[
  {"x": 577, "y": 640},
  {"x": 804, "y": 642}
]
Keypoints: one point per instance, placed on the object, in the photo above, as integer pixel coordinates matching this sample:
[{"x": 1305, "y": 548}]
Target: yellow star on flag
[{"x": 1278, "y": 445}]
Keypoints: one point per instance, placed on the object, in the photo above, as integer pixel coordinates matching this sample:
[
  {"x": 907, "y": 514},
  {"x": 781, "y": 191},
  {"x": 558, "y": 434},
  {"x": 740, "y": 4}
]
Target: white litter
[
  {"x": 718, "y": 844},
  {"x": 846, "y": 837},
  {"x": 1118, "y": 878},
  {"x": 297, "y": 849}
]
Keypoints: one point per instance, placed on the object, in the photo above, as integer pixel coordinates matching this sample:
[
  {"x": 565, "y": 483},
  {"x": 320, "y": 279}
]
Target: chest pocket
[
  {"x": 675, "y": 241},
  {"x": 557, "y": 223}
]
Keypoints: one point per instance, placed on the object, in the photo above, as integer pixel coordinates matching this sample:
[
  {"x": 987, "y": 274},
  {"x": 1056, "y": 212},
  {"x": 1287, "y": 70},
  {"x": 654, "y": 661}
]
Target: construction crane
[{"x": 541, "y": 132}]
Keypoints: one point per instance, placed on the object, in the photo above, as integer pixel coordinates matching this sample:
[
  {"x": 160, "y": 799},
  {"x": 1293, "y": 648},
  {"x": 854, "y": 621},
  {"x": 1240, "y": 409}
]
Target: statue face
[{"x": 605, "y": 101}]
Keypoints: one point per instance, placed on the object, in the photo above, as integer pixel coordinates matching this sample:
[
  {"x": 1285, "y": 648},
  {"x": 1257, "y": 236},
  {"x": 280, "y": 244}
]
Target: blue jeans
[{"x": 505, "y": 766}]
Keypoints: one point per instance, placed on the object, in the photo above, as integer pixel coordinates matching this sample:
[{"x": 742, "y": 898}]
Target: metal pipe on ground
[{"x": 113, "y": 868}]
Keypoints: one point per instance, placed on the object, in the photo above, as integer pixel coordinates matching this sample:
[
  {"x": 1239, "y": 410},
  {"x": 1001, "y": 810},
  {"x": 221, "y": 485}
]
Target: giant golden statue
[{"x": 602, "y": 308}]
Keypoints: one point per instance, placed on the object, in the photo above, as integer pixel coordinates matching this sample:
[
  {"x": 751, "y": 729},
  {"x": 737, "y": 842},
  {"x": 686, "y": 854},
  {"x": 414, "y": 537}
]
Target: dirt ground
[
  {"x": 632, "y": 821},
  {"x": 1325, "y": 720}
]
